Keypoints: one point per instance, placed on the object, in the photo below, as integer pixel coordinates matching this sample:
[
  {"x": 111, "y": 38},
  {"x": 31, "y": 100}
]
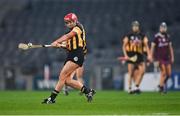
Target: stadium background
[{"x": 105, "y": 21}]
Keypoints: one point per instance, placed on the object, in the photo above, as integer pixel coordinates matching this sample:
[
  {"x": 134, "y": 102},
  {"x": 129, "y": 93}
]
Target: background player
[
  {"x": 162, "y": 51},
  {"x": 133, "y": 44},
  {"x": 74, "y": 59}
]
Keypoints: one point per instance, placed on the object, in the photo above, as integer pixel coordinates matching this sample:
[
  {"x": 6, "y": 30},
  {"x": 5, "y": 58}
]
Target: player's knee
[
  {"x": 63, "y": 77},
  {"x": 68, "y": 81},
  {"x": 63, "y": 74},
  {"x": 163, "y": 73},
  {"x": 79, "y": 76},
  {"x": 130, "y": 74}
]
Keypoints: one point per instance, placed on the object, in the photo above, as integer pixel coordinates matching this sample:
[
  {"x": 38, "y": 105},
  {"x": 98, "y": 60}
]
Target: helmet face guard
[
  {"x": 70, "y": 24},
  {"x": 135, "y": 26}
]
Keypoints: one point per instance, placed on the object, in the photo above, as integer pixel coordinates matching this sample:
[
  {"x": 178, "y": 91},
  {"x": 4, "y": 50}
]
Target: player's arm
[
  {"x": 57, "y": 43},
  {"x": 125, "y": 42},
  {"x": 149, "y": 55},
  {"x": 171, "y": 52}
]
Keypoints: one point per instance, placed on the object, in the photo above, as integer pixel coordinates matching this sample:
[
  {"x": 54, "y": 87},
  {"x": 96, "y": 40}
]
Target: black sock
[
  {"x": 66, "y": 88},
  {"x": 160, "y": 87},
  {"x": 165, "y": 81},
  {"x": 85, "y": 90},
  {"x": 54, "y": 94},
  {"x": 137, "y": 87}
]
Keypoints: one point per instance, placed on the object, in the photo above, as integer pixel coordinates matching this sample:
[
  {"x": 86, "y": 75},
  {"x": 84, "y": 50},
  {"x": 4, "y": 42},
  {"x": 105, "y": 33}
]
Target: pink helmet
[{"x": 71, "y": 17}]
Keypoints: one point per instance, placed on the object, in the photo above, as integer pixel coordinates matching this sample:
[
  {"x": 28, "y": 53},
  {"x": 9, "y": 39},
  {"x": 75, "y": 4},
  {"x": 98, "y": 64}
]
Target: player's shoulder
[
  {"x": 158, "y": 35},
  {"x": 128, "y": 34},
  {"x": 77, "y": 29},
  {"x": 142, "y": 33},
  {"x": 80, "y": 26}
]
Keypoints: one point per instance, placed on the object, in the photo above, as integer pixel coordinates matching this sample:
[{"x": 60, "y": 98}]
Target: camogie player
[
  {"x": 134, "y": 44},
  {"x": 162, "y": 51},
  {"x": 74, "y": 60}
]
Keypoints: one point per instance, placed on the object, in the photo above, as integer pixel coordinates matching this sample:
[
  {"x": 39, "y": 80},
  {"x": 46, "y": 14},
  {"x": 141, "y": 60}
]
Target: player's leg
[
  {"x": 135, "y": 75},
  {"x": 142, "y": 69},
  {"x": 68, "y": 68},
  {"x": 65, "y": 77},
  {"x": 74, "y": 83},
  {"x": 66, "y": 91},
  {"x": 168, "y": 75},
  {"x": 168, "y": 72},
  {"x": 130, "y": 76},
  {"x": 78, "y": 85},
  {"x": 139, "y": 76},
  {"x": 162, "y": 77},
  {"x": 79, "y": 74},
  {"x": 68, "y": 79}
]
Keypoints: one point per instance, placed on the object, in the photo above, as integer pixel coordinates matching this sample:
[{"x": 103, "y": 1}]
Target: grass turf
[{"x": 105, "y": 103}]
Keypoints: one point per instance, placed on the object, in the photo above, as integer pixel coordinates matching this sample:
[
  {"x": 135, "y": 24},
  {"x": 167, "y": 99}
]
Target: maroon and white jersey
[{"x": 162, "y": 51}]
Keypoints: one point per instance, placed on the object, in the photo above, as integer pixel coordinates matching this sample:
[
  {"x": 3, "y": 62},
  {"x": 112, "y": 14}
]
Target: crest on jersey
[
  {"x": 132, "y": 37},
  {"x": 75, "y": 58}
]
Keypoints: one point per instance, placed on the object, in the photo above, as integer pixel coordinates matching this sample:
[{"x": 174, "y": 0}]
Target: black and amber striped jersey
[
  {"x": 136, "y": 43},
  {"x": 79, "y": 40}
]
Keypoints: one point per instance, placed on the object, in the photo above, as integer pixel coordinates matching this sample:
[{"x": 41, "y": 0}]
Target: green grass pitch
[{"x": 105, "y": 103}]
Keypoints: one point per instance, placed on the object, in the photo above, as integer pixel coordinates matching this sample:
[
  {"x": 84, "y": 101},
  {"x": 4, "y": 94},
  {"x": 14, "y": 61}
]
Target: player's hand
[
  {"x": 126, "y": 57},
  {"x": 64, "y": 45},
  {"x": 55, "y": 44}
]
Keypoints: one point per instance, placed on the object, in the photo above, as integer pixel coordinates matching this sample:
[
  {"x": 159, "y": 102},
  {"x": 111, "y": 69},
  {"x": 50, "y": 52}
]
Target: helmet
[
  {"x": 135, "y": 23},
  {"x": 71, "y": 17},
  {"x": 163, "y": 24}
]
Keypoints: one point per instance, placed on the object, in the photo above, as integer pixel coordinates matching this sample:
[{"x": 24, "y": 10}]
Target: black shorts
[
  {"x": 76, "y": 56},
  {"x": 140, "y": 57}
]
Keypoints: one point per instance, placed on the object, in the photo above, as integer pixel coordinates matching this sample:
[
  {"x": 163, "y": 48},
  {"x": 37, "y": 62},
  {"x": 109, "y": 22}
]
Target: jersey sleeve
[{"x": 77, "y": 30}]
